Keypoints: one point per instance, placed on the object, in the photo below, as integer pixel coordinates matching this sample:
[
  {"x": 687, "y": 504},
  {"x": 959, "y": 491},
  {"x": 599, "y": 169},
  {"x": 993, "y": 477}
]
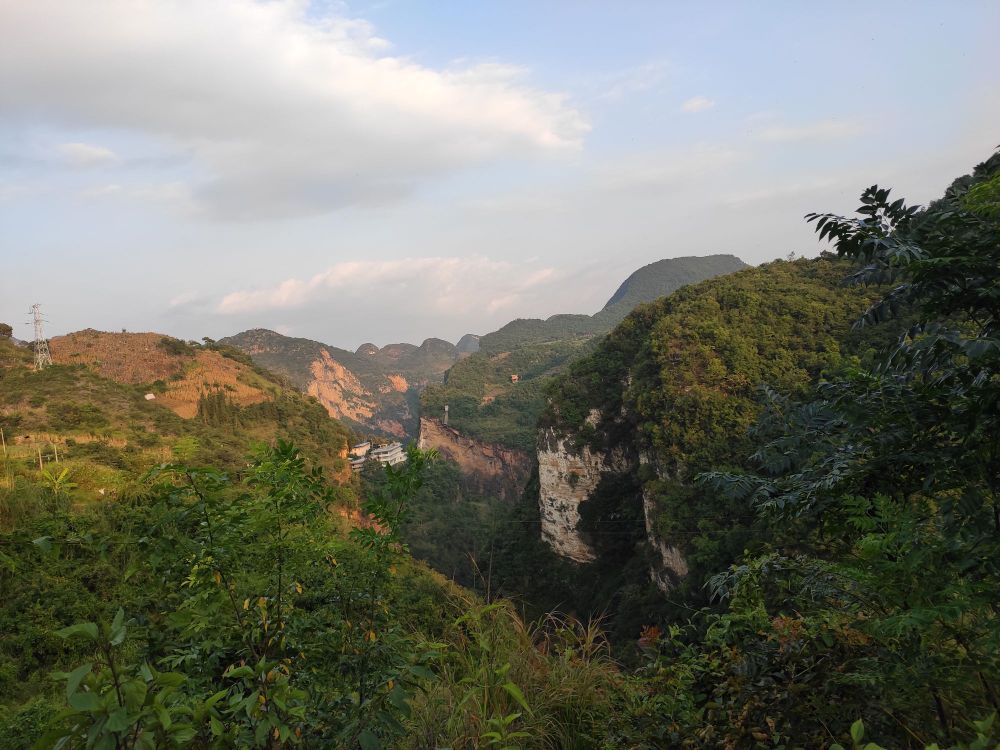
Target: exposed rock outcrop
[
  {"x": 568, "y": 476},
  {"x": 671, "y": 565},
  {"x": 339, "y": 390},
  {"x": 487, "y": 468}
]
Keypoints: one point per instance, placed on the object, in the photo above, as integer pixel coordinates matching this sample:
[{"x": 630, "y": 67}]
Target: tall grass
[{"x": 554, "y": 677}]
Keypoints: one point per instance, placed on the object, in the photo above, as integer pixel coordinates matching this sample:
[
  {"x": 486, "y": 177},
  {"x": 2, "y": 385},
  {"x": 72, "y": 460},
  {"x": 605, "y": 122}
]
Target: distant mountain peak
[
  {"x": 665, "y": 276},
  {"x": 468, "y": 344}
]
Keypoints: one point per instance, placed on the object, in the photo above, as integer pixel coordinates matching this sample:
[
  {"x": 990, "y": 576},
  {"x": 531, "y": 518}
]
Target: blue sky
[{"x": 389, "y": 171}]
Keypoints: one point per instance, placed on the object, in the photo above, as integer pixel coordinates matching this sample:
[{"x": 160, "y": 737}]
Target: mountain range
[{"x": 378, "y": 390}]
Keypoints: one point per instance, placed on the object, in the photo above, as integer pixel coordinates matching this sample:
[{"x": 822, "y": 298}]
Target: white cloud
[
  {"x": 697, "y": 104},
  {"x": 451, "y": 286},
  {"x": 86, "y": 154},
  {"x": 182, "y": 299},
  {"x": 283, "y": 114},
  {"x": 822, "y": 130}
]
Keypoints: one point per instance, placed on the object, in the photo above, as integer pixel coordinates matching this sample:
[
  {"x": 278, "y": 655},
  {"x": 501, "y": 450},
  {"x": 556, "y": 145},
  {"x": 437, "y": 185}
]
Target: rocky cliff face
[
  {"x": 568, "y": 477},
  {"x": 488, "y": 469}
]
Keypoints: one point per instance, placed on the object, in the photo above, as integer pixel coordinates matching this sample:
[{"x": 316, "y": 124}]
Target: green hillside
[
  {"x": 105, "y": 431},
  {"x": 485, "y": 403},
  {"x": 663, "y": 277}
]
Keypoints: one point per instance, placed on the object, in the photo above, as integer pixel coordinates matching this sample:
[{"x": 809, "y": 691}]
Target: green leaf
[
  {"x": 170, "y": 679},
  {"x": 216, "y": 698},
  {"x": 515, "y": 692},
  {"x": 422, "y": 672},
  {"x": 983, "y": 727},
  {"x": 74, "y": 678},
  {"x": 397, "y": 697},
  {"x": 238, "y": 672},
  {"x": 857, "y": 731},
  {"x": 88, "y": 702},
  {"x": 86, "y": 629},
  {"x": 163, "y": 716},
  {"x": 217, "y": 729},
  {"x": 369, "y": 741},
  {"x": 119, "y": 720},
  {"x": 118, "y": 628}
]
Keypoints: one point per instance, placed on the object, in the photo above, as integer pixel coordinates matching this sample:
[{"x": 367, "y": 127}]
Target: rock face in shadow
[
  {"x": 488, "y": 469},
  {"x": 567, "y": 477}
]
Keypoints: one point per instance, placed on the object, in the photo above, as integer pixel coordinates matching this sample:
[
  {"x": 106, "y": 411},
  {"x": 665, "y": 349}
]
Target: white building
[{"x": 388, "y": 455}]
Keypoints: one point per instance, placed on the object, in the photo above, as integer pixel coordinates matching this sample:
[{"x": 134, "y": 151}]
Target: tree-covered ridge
[
  {"x": 880, "y": 492},
  {"x": 486, "y": 403},
  {"x": 663, "y": 277},
  {"x": 683, "y": 372}
]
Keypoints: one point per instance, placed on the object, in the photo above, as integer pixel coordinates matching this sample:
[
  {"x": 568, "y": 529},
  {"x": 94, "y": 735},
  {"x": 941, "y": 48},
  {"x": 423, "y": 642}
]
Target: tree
[
  {"x": 6, "y": 331},
  {"x": 877, "y": 599}
]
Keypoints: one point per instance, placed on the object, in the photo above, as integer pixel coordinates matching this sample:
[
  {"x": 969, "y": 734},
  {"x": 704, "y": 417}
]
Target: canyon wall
[
  {"x": 568, "y": 476},
  {"x": 487, "y": 469}
]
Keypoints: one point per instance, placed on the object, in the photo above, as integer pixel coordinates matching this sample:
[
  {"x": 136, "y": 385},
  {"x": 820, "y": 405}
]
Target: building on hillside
[
  {"x": 388, "y": 454},
  {"x": 514, "y": 378}
]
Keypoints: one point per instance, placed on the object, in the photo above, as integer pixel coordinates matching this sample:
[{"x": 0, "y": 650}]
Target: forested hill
[
  {"x": 483, "y": 400},
  {"x": 663, "y": 277}
]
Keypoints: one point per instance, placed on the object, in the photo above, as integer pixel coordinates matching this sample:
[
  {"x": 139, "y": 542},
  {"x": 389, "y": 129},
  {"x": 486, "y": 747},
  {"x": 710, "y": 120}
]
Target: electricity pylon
[{"x": 43, "y": 358}]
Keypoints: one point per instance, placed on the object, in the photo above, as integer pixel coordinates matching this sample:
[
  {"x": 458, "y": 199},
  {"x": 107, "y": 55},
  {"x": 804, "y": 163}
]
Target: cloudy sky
[{"x": 388, "y": 171}]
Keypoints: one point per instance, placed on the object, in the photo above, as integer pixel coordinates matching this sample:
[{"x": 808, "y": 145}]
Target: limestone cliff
[
  {"x": 566, "y": 478},
  {"x": 569, "y": 476},
  {"x": 488, "y": 469}
]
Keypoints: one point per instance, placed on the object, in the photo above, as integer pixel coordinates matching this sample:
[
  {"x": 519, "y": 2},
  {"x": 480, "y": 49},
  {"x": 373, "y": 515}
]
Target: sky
[{"x": 396, "y": 170}]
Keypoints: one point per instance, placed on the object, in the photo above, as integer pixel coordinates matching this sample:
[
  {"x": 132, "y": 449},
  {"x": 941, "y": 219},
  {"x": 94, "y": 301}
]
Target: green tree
[{"x": 881, "y": 493}]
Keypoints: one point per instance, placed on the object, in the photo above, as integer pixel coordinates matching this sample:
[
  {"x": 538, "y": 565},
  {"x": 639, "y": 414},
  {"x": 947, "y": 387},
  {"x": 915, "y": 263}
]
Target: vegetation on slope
[
  {"x": 230, "y": 610},
  {"x": 662, "y": 278},
  {"x": 483, "y": 400},
  {"x": 108, "y": 431}
]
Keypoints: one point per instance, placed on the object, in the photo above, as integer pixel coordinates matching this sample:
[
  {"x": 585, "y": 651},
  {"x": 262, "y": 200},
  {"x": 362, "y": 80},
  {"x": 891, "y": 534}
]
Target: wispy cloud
[
  {"x": 635, "y": 80},
  {"x": 451, "y": 285},
  {"x": 697, "y": 104},
  {"x": 822, "y": 130},
  {"x": 86, "y": 154}
]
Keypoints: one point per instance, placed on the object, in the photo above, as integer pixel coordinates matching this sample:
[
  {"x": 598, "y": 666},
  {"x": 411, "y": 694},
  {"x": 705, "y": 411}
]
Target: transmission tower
[{"x": 43, "y": 358}]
